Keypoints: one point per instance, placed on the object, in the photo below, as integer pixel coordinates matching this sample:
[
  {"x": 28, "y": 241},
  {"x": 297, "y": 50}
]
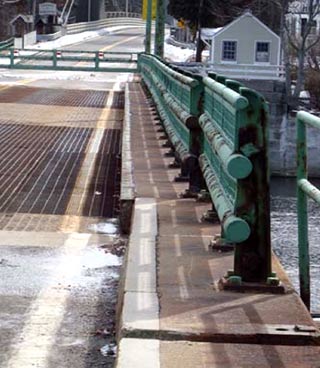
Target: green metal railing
[
  {"x": 6, "y": 44},
  {"x": 73, "y": 60},
  {"x": 305, "y": 190},
  {"x": 234, "y": 163},
  {"x": 223, "y": 126},
  {"x": 177, "y": 98}
]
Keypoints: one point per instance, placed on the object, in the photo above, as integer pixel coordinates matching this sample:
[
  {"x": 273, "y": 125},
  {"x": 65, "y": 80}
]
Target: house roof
[
  {"x": 209, "y": 32},
  {"x": 218, "y": 31},
  {"x": 24, "y": 17}
]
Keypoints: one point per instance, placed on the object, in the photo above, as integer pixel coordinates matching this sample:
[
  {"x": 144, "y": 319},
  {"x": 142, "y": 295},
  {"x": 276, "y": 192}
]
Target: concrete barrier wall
[{"x": 282, "y": 132}]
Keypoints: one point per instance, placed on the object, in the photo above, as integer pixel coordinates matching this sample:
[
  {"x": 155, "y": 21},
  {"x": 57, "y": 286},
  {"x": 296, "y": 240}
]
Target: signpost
[
  {"x": 160, "y": 24},
  {"x": 148, "y": 28}
]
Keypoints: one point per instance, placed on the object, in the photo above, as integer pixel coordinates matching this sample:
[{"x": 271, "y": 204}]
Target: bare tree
[{"x": 303, "y": 43}]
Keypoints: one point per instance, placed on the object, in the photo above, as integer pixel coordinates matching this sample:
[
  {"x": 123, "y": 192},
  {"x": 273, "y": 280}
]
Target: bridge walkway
[{"x": 173, "y": 313}]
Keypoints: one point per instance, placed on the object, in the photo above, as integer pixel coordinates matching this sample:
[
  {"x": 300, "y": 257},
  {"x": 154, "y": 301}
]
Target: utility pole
[
  {"x": 160, "y": 24},
  {"x": 89, "y": 10},
  {"x": 148, "y": 27},
  {"x": 199, "y": 41},
  {"x": 127, "y": 8}
]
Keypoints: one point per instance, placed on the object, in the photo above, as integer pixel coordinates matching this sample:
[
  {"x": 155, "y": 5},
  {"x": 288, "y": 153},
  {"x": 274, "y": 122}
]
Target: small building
[
  {"x": 21, "y": 24},
  {"x": 246, "y": 48},
  {"x": 22, "y": 30}
]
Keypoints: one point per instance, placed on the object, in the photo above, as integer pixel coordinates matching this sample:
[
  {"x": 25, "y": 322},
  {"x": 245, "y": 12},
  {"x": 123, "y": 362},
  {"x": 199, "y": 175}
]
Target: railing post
[
  {"x": 160, "y": 25},
  {"x": 11, "y": 58},
  {"x": 302, "y": 207},
  {"x": 253, "y": 257},
  {"x": 148, "y": 28},
  {"x": 54, "y": 58},
  {"x": 96, "y": 61}
]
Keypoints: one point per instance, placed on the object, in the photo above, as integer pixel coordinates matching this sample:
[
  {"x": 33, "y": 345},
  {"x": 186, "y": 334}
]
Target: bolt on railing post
[{"x": 302, "y": 209}]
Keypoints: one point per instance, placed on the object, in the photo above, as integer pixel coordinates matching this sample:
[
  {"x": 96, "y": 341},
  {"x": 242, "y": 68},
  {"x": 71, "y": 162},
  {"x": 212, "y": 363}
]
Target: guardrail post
[
  {"x": 11, "y": 58},
  {"x": 302, "y": 207},
  {"x": 253, "y": 257},
  {"x": 160, "y": 25},
  {"x": 96, "y": 61},
  {"x": 148, "y": 27},
  {"x": 54, "y": 58}
]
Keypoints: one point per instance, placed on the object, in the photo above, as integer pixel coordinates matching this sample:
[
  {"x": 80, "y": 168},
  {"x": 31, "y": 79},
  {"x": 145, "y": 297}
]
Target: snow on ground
[{"x": 174, "y": 53}]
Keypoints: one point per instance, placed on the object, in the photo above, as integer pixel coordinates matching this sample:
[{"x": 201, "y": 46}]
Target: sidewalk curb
[{"x": 138, "y": 308}]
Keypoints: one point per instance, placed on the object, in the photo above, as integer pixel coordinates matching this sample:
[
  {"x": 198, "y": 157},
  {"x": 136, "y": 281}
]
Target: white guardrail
[
  {"x": 248, "y": 71},
  {"x": 103, "y": 23},
  {"x": 113, "y": 20}
]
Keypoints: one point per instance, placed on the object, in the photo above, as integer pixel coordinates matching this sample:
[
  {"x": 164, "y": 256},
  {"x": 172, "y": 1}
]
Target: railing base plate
[{"x": 224, "y": 284}]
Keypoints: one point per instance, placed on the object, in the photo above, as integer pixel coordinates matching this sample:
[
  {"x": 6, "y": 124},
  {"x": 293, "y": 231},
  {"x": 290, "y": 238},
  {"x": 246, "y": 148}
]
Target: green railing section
[
  {"x": 6, "y": 44},
  {"x": 72, "y": 60},
  {"x": 234, "y": 164},
  {"x": 177, "y": 98},
  {"x": 305, "y": 190},
  {"x": 228, "y": 122}
]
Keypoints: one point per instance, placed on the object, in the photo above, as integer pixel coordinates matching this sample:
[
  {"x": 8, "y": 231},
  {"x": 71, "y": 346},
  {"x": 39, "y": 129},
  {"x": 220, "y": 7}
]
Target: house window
[
  {"x": 263, "y": 52},
  {"x": 308, "y": 26},
  {"x": 229, "y": 50}
]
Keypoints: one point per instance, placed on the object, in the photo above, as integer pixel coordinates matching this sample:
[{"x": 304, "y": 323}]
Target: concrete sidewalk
[{"x": 173, "y": 314}]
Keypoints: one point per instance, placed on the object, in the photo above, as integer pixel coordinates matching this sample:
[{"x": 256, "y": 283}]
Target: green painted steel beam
[
  {"x": 81, "y": 51},
  {"x": 69, "y": 68},
  {"x": 307, "y": 118},
  {"x": 160, "y": 27},
  {"x": 238, "y": 166},
  {"x": 148, "y": 27},
  {"x": 234, "y": 98},
  {"x": 235, "y": 229},
  {"x": 302, "y": 207},
  {"x": 310, "y": 190}
]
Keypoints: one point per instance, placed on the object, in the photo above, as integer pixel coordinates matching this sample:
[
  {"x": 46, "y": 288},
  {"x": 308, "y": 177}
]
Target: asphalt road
[{"x": 59, "y": 254}]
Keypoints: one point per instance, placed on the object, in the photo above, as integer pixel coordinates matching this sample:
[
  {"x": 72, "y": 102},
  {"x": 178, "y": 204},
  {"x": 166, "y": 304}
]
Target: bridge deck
[
  {"x": 173, "y": 314},
  {"x": 59, "y": 161}
]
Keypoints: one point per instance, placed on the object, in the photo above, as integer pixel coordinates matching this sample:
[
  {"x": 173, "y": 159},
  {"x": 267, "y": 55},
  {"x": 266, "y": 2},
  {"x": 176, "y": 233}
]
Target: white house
[
  {"x": 246, "y": 48},
  {"x": 298, "y": 15}
]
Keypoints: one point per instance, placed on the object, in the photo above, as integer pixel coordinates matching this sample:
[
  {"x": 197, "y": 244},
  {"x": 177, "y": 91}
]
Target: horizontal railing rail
[
  {"x": 305, "y": 190},
  {"x": 104, "y": 61},
  {"x": 220, "y": 128},
  {"x": 6, "y": 44}
]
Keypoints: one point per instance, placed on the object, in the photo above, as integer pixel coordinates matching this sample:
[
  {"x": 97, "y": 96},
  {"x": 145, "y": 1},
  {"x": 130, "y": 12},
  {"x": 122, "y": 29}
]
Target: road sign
[
  {"x": 145, "y": 7},
  {"x": 47, "y": 9},
  {"x": 181, "y": 23}
]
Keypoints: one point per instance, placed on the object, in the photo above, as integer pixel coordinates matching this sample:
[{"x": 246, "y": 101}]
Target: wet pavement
[{"x": 60, "y": 256}]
